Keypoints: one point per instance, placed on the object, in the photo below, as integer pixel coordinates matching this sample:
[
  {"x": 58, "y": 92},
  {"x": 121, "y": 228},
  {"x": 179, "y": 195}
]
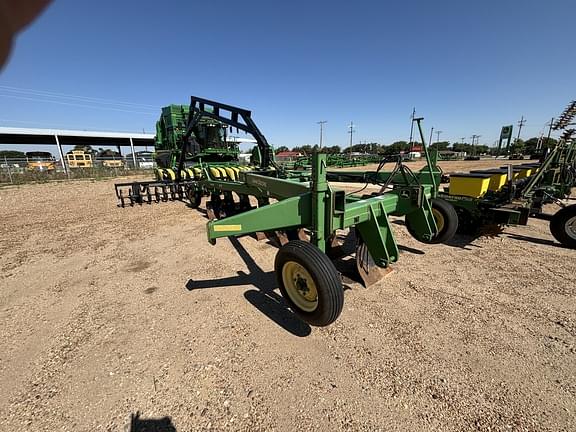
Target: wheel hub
[{"x": 300, "y": 286}]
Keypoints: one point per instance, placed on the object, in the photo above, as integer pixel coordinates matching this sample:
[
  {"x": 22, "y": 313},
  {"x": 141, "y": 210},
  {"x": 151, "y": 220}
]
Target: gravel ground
[{"x": 108, "y": 312}]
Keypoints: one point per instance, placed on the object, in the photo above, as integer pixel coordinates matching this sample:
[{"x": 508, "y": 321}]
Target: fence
[{"x": 25, "y": 170}]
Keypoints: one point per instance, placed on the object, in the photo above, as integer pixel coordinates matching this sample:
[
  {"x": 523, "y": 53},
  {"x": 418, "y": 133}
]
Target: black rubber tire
[
  {"x": 195, "y": 197},
  {"x": 326, "y": 277},
  {"x": 450, "y": 223},
  {"x": 558, "y": 226}
]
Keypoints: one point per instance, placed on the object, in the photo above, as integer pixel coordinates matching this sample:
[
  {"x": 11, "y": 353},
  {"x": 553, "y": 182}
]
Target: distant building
[
  {"x": 288, "y": 156},
  {"x": 244, "y": 158}
]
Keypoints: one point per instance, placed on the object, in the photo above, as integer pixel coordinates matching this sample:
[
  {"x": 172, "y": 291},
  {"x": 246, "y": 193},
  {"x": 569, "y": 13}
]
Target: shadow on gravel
[
  {"x": 463, "y": 241},
  {"x": 264, "y": 298},
  {"x": 411, "y": 250},
  {"x": 138, "y": 424},
  {"x": 535, "y": 240}
]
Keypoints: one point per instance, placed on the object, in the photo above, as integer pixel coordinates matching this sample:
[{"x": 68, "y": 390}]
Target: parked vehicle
[
  {"x": 40, "y": 161},
  {"x": 79, "y": 159}
]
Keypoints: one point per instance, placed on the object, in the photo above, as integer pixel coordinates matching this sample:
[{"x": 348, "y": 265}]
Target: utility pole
[
  {"x": 351, "y": 132},
  {"x": 473, "y": 139},
  {"x": 431, "y": 135},
  {"x": 540, "y": 142},
  {"x": 321, "y": 123},
  {"x": 549, "y": 130},
  {"x": 438, "y": 136},
  {"x": 412, "y": 117},
  {"x": 520, "y": 124}
]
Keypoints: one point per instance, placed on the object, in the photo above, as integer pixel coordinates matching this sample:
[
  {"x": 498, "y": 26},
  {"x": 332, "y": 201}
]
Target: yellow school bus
[
  {"x": 79, "y": 159},
  {"x": 40, "y": 161}
]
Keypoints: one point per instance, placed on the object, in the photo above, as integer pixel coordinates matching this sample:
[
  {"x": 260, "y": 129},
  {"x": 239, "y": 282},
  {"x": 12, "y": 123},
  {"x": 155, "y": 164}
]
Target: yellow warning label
[{"x": 220, "y": 228}]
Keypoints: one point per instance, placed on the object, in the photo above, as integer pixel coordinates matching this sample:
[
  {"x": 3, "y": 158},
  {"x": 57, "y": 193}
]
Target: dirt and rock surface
[{"x": 108, "y": 312}]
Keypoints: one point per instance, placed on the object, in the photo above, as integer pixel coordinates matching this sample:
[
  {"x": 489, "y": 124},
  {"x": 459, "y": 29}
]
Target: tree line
[{"x": 517, "y": 146}]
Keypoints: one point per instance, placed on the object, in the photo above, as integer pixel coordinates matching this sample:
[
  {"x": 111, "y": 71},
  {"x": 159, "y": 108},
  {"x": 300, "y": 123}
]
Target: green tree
[
  {"x": 462, "y": 147},
  {"x": 333, "y": 150},
  {"x": 532, "y": 143},
  {"x": 441, "y": 145},
  {"x": 282, "y": 149},
  {"x": 518, "y": 146},
  {"x": 84, "y": 148},
  {"x": 481, "y": 149},
  {"x": 108, "y": 153},
  {"x": 12, "y": 154},
  {"x": 396, "y": 147}
]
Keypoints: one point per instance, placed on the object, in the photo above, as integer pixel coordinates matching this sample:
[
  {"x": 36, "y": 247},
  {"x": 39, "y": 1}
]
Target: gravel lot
[{"x": 108, "y": 312}]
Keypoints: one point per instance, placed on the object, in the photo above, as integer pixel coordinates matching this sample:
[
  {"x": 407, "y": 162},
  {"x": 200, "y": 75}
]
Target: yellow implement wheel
[
  {"x": 438, "y": 218},
  {"x": 300, "y": 286},
  {"x": 309, "y": 282}
]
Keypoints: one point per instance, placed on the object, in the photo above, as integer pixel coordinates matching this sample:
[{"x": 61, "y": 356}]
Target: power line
[
  {"x": 61, "y": 126},
  {"x": 76, "y": 105},
  {"x": 46, "y": 93}
]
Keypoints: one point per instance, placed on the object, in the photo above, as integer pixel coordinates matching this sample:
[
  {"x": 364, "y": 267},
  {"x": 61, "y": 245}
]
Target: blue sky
[{"x": 467, "y": 67}]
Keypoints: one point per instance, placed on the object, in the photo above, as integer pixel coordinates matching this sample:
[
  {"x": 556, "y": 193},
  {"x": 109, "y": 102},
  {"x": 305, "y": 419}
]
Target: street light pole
[{"x": 321, "y": 123}]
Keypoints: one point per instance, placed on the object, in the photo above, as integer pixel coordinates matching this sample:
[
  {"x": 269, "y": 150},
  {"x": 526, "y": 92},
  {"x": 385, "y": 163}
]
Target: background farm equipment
[
  {"x": 306, "y": 213},
  {"x": 332, "y": 160},
  {"x": 512, "y": 194},
  {"x": 205, "y": 146}
]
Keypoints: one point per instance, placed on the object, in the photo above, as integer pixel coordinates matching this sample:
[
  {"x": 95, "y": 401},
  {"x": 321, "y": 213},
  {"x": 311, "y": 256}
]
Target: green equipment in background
[{"x": 513, "y": 193}]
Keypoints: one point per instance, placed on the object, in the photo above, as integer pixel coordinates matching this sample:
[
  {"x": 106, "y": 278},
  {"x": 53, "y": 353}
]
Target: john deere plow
[{"x": 306, "y": 208}]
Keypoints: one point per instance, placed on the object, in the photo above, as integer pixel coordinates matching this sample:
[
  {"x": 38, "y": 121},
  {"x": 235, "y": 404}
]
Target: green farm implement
[
  {"x": 333, "y": 160},
  {"x": 305, "y": 209},
  {"x": 511, "y": 194}
]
